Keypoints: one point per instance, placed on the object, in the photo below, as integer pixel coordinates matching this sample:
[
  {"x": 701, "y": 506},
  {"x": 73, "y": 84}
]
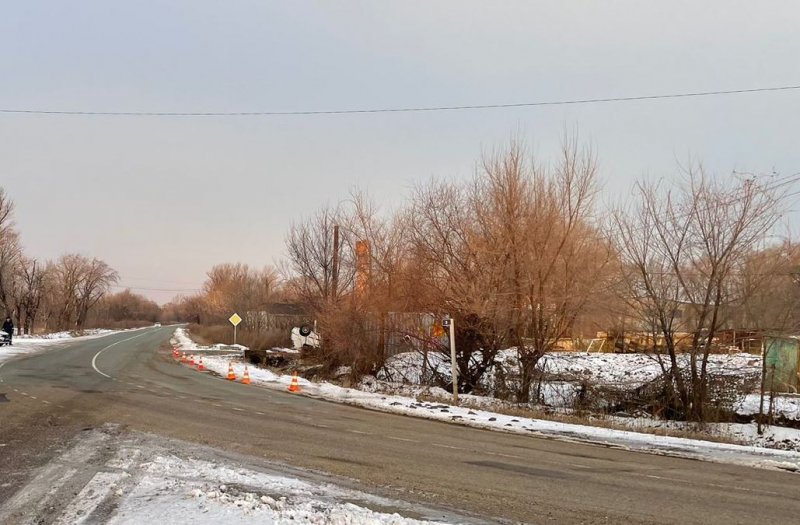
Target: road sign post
[
  {"x": 447, "y": 322},
  {"x": 235, "y": 320}
]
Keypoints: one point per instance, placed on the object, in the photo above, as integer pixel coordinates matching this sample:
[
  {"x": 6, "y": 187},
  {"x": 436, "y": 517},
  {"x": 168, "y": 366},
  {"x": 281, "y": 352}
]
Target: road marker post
[
  {"x": 235, "y": 320},
  {"x": 448, "y": 322}
]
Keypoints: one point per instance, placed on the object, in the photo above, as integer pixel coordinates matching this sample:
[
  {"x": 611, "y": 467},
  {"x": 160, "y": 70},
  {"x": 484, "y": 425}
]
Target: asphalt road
[{"x": 496, "y": 476}]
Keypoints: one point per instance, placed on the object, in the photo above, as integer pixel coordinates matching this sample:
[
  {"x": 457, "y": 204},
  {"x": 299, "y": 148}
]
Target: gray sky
[{"x": 163, "y": 199}]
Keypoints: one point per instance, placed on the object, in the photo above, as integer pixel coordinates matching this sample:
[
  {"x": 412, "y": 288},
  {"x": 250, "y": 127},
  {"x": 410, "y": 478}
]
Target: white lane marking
[
  {"x": 94, "y": 359},
  {"x": 359, "y": 432},
  {"x": 402, "y": 439},
  {"x": 577, "y": 466},
  {"x": 93, "y": 493},
  {"x": 445, "y": 446},
  {"x": 261, "y": 413},
  {"x": 238, "y": 409},
  {"x": 715, "y": 485},
  {"x": 500, "y": 454}
]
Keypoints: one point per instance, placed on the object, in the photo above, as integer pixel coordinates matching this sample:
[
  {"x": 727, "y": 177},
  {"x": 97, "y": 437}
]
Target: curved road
[{"x": 130, "y": 379}]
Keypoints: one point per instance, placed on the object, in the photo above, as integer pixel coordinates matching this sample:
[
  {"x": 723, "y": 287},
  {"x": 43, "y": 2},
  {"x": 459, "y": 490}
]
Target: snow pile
[
  {"x": 179, "y": 491},
  {"x": 787, "y": 406},
  {"x": 61, "y": 335},
  {"x": 184, "y": 343}
]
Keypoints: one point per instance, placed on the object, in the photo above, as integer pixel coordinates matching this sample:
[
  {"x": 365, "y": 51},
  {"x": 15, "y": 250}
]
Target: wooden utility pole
[{"x": 335, "y": 269}]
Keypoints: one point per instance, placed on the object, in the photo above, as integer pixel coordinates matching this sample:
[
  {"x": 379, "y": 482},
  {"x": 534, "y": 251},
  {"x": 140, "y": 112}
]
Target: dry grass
[{"x": 213, "y": 334}]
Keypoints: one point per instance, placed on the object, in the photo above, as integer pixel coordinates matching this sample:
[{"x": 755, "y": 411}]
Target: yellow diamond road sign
[{"x": 235, "y": 319}]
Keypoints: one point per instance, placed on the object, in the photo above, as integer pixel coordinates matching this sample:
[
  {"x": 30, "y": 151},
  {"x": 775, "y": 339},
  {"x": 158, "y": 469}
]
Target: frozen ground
[
  {"x": 128, "y": 478},
  {"x": 609, "y": 369},
  {"x": 409, "y": 405}
]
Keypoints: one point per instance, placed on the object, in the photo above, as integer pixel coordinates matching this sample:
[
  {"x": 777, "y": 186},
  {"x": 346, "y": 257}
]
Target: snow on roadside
[
  {"x": 184, "y": 343},
  {"x": 111, "y": 475},
  {"x": 195, "y": 491},
  {"x": 682, "y": 447},
  {"x": 26, "y": 344}
]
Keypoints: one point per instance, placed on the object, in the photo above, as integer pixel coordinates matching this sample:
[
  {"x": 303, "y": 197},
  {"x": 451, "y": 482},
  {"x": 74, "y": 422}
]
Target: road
[{"x": 131, "y": 380}]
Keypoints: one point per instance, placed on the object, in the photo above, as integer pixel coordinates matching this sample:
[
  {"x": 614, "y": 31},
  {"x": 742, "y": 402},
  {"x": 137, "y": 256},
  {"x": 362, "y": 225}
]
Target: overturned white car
[{"x": 304, "y": 336}]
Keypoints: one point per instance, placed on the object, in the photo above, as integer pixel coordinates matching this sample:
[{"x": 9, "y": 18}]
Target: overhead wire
[{"x": 418, "y": 109}]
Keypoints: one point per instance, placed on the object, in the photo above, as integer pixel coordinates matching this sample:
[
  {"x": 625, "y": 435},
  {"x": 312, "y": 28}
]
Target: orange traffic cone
[
  {"x": 295, "y": 386},
  {"x": 191, "y": 360},
  {"x": 184, "y": 359},
  {"x": 246, "y": 376},
  {"x": 231, "y": 374},
  {"x": 200, "y": 366}
]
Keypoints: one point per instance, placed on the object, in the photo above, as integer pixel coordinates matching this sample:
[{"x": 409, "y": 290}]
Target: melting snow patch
[{"x": 180, "y": 491}]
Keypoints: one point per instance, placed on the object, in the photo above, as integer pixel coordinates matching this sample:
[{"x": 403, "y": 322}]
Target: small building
[{"x": 782, "y": 355}]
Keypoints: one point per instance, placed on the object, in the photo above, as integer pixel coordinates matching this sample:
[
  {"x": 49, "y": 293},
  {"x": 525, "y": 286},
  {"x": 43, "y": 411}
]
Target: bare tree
[
  {"x": 10, "y": 255},
  {"x": 33, "y": 281},
  {"x": 456, "y": 272},
  {"x": 96, "y": 280},
  {"x": 238, "y": 288},
  {"x": 385, "y": 240},
  {"x": 320, "y": 256},
  {"x": 683, "y": 249},
  {"x": 78, "y": 283}
]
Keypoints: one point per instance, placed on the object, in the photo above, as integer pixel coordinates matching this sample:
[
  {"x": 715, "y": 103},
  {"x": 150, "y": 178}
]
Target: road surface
[{"x": 131, "y": 380}]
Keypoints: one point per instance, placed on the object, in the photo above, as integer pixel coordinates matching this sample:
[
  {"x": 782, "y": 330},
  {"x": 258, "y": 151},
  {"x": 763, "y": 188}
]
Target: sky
[{"x": 162, "y": 199}]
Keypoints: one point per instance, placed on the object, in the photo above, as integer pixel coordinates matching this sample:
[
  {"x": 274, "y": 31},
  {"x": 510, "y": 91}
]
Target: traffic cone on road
[
  {"x": 246, "y": 376},
  {"x": 294, "y": 386},
  {"x": 191, "y": 360},
  {"x": 231, "y": 374},
  {"x": 200, "y": 366},
  {"x": 184, "y": 359}
]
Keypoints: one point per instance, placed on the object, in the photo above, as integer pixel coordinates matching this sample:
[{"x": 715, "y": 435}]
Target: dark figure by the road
[{"x": 8, "y": 327}]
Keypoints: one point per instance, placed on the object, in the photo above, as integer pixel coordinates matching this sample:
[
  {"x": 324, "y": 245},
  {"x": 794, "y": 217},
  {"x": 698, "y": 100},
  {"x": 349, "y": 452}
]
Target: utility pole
[
  {"x": 448, "y": 322},
  {"x": 335, "y": 269}
]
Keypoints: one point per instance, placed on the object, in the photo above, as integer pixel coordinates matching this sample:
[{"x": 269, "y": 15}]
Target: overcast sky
[{"x": 162, "y": 199}]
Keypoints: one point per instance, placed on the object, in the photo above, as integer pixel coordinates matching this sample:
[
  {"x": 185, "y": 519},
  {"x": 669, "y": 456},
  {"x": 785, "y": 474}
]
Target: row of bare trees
[
  {"x": 522, "y": 256},
  {"x": 233, "y": 288},
  {"x": 515, "y": 255},
  {"x": 47, "y": 295}
]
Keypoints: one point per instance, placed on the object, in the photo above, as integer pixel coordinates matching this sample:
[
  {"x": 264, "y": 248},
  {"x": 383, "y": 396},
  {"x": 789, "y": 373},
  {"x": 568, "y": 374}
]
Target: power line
[
  {"x": 123, "y": 287},
  {"x": 395, "y": 110}
]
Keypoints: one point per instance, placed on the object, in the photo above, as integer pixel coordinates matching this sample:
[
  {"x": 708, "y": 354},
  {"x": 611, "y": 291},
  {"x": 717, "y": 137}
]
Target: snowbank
[
  {"x": 193, "y": 491},
  {"x": 184, "y": 343}
]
